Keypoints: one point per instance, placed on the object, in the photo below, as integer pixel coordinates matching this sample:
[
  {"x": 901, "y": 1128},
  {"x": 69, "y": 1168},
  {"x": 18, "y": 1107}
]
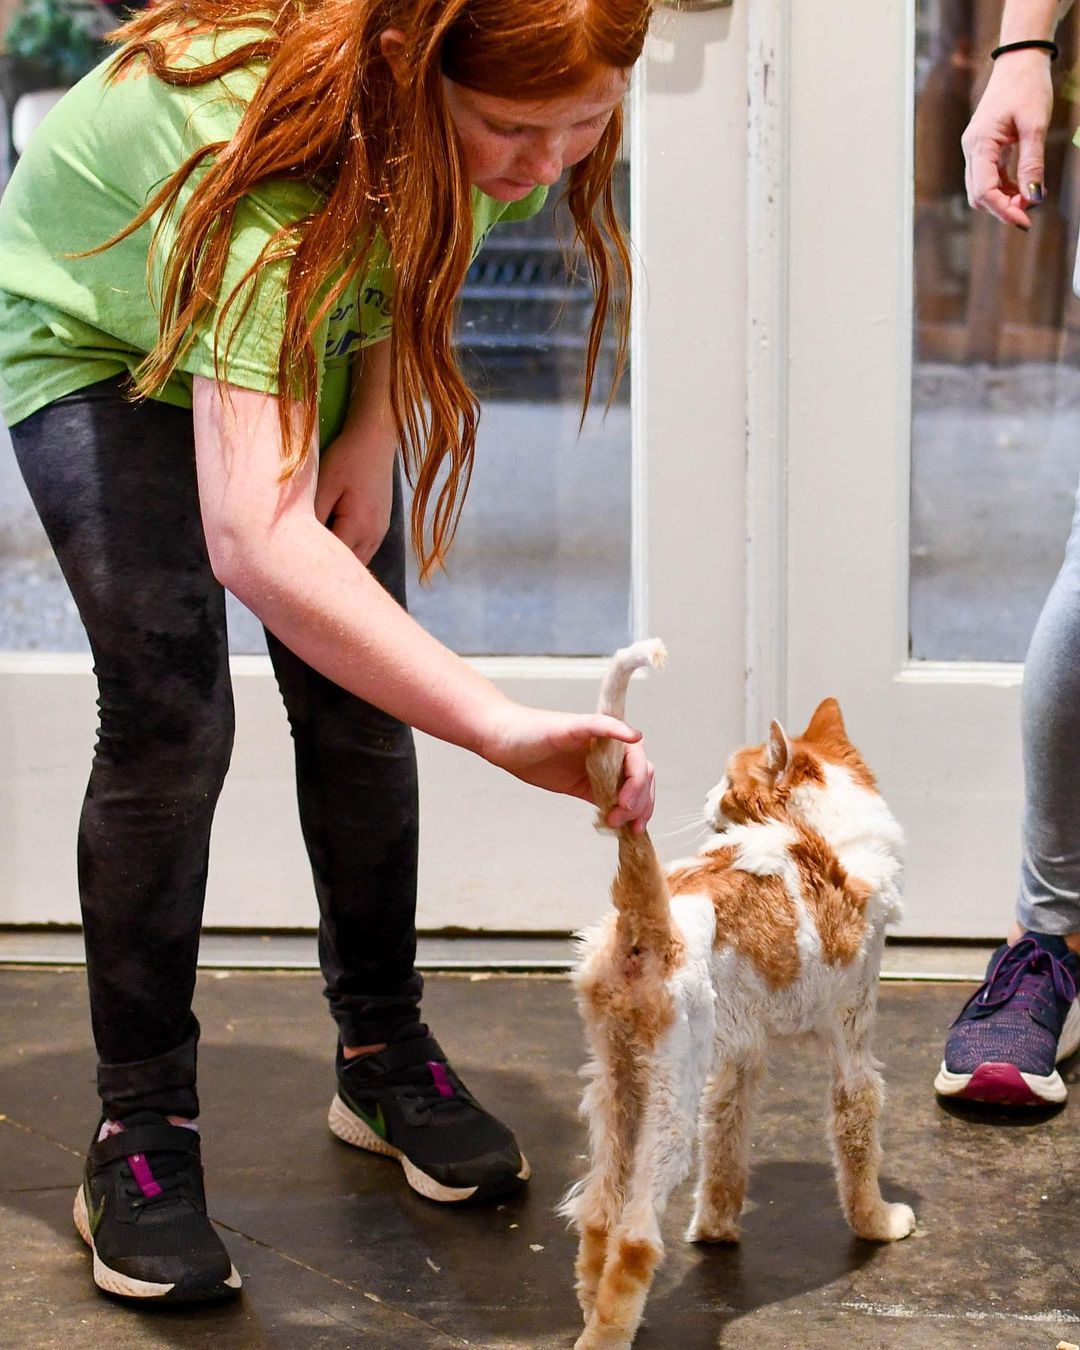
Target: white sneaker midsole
[
  {"x": 112, "y": 1281},
  {"x": 1051, "y": 1088},
  {"x": 349, "y": 1128}
]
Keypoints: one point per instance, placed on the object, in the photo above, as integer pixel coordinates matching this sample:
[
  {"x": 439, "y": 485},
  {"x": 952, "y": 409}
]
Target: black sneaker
[
  {"x": 408, "y": 1103},
  {"x": 142, "y": 1210}
]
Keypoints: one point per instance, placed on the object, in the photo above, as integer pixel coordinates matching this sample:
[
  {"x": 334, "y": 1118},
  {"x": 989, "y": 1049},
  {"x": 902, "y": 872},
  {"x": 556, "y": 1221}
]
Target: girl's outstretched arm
[{"x": 267, "y": 545}]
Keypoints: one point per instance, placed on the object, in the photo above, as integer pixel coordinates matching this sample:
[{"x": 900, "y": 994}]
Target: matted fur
[{"x": 774, "y": 928}]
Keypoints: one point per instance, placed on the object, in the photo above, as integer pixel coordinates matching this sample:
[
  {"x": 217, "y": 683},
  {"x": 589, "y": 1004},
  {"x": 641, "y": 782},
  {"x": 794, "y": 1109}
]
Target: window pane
[
  {"x": 995, "y": 432},
  {"x": 541, "y": 564}
]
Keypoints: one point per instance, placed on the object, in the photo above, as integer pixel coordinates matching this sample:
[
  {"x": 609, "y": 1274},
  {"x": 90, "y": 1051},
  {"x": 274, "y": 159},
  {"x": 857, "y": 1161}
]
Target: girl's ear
[
  {"x": 778, "y": 754},
  {"x": 392, "y": 46}
]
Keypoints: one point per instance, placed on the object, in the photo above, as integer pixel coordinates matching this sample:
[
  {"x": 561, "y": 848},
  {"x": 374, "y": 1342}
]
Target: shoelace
[
  {"x": 146, "y": 1186},
  {"x": 430, "y": 1085},
  {"x": 1014, "y": 969},
  {"x": 427, "y": 1083}
]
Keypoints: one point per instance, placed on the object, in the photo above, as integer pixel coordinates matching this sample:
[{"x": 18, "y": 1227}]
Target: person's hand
[
  {"x": 1014, "y": 110},
  {"x": 548, "y": 750},
  {"x": 355, "y": 495}
]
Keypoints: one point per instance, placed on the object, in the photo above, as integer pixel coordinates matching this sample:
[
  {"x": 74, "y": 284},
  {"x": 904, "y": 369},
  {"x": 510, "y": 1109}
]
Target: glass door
[
  {"x": 570, "y": 544},
  {"x": 932, "y": 442}
]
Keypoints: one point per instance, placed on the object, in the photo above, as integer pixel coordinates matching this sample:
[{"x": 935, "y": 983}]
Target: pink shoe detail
[
  {"x": 442, "y": 1081},
  {"x": 1002, "y": 1083}
]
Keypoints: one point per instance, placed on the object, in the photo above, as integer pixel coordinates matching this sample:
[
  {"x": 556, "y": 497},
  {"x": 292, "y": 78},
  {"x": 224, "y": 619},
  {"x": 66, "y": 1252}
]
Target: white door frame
[{"x": 497, "y": 855}]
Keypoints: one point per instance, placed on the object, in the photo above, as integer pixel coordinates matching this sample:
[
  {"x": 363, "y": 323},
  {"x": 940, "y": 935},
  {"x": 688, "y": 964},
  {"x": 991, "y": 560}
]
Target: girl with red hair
[{"x": 228, "y": 267}]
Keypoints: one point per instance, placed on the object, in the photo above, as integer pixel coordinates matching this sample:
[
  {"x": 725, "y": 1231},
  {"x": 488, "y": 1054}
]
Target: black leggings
[{"x": 114, "y": 484}]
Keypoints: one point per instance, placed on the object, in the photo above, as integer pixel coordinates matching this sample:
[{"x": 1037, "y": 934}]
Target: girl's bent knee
[{"x": 158, "y": 739}]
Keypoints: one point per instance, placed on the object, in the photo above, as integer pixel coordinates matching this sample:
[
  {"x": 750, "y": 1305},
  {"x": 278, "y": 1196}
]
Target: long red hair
[{"x": 384, "y": 154}]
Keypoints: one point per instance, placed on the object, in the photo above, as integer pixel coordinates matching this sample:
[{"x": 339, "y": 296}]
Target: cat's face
[{"x": 759, "y": 780}]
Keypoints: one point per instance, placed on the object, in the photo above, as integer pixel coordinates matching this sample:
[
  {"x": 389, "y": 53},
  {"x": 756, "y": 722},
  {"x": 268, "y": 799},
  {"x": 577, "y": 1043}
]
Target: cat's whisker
[
  {"x": 684, "y": 819},
  {"x": 699, "y": 826}
]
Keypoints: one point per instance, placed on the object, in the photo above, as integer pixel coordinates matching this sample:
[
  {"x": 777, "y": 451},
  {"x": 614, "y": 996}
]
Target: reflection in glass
[
  {"x": 996, "y": 393},
  {"x": 541, "y": 563}
]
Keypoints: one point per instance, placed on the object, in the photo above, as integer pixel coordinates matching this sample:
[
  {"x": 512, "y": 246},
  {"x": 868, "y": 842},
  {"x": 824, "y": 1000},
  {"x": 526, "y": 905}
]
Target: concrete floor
[{"x": 336, "y": 1252}]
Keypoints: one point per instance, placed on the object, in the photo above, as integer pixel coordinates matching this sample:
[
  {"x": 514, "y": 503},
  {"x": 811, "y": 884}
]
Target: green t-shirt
[{"x": 89, "y": 169}]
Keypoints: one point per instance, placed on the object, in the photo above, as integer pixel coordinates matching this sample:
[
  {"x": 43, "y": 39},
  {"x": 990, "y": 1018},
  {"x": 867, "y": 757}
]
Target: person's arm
[
  {"x": 355, "y": 490},
  {"x": 267, "y": 545},
  {"x": 1014, "y": 110}
]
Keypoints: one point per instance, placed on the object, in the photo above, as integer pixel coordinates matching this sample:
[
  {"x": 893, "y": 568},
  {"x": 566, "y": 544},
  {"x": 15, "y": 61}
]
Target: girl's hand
[
  {"x": 548, "y": 749},
  {"x": 355, "y": 491},
  {"x": 1014, "y": 110},
  {"x": 355, "y": 495}
]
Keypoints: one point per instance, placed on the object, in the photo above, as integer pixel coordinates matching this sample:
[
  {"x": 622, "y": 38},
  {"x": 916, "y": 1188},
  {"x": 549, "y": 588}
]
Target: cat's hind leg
[
  {"x": 672, "y": 1080},
  {"x": 611, "y": 1107},
  {"x": 725, "y": 1150},
  {"x": 858, "y": 1094}
]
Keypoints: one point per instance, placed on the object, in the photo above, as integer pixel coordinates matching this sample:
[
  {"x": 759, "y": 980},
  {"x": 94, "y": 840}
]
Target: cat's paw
[
  {"x": 597, "y": 1336},
  {"x": 713, "y": 1228},
  {"x": 888, "y": 1224}
]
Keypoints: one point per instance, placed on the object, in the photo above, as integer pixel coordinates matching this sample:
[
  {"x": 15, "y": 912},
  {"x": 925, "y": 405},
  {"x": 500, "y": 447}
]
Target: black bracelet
[{"x": 1040, "y": 44}]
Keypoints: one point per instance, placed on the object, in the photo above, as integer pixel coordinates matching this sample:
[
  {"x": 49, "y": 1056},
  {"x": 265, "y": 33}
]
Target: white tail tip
[{"x": 647, "y": 652}]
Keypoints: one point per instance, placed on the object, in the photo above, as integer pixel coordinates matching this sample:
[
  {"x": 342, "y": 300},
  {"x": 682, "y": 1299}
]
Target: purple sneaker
[{"x": 1016, "y": 1027}]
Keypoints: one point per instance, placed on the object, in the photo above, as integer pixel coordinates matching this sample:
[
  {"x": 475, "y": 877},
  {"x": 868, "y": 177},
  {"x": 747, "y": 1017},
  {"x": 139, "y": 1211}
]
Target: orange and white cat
[{"x": 774, "y": 928}]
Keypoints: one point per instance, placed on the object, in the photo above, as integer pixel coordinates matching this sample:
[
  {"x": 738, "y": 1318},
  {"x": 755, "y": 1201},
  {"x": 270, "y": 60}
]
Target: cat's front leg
[
  {"x": 856, "y": 1107},
  {"x": 725, "y": 1152},
  {"x": 857, "y": 1097}
]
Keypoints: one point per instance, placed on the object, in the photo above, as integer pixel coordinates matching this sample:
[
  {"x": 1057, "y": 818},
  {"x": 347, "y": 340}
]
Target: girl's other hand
[
  {"x": 548, "y": 750},
  {"x": 355, "y": 492},
  {"x": 1014, "y": 110},
  {"x": 355, "y": 496}
]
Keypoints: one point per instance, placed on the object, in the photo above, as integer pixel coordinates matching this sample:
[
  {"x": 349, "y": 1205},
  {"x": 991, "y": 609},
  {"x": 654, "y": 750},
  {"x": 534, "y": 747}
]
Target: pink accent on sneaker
[
  {"x": 1001, "y": 1083},
  {"x": 446, "y": 1088},
  {"x": 140, "y": 1170}
]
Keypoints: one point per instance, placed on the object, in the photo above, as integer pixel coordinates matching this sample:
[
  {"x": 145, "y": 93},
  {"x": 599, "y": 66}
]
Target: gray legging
[
  {"x": 114, "y": 484},
  {"x": 1049, "y": 900}
]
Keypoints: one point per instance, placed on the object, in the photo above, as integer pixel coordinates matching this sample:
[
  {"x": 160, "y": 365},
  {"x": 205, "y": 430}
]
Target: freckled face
[{"x": 512, "y": 146}]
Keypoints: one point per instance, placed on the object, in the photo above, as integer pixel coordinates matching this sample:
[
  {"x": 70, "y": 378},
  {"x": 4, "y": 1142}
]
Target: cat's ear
[
  {"x": 778, "y": 754},
  {"x": 827, "y": 723}
]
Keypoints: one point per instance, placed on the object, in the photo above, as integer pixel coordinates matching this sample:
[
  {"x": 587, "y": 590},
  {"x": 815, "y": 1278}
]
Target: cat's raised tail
[
  {"x": 605, "y": 759},
  {"x": 640, "y": 890}
]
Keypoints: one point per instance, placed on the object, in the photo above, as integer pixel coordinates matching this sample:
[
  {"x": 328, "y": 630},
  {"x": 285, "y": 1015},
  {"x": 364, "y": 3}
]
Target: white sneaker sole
[
  {"x": 350, "y": 1129},
  {"x": 112, "y": 1281},
  {"x": 1009, "y": 1085}
]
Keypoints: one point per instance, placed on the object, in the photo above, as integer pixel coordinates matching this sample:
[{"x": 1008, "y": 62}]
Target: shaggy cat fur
[{"x": 775, "y": 928}]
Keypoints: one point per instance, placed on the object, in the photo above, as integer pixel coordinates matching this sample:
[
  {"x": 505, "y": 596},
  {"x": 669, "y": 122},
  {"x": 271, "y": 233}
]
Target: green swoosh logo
[
  {"x": 95, "y": 1214},
  {"x": 376, "y": 1122}
]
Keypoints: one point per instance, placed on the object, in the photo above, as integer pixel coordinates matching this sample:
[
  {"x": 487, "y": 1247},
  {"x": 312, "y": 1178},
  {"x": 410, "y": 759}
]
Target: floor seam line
[
  {"x": 40, "y": 1134},
  {"x": 40, "y": 1190},
  {"x": 344, "y": 1284}
]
